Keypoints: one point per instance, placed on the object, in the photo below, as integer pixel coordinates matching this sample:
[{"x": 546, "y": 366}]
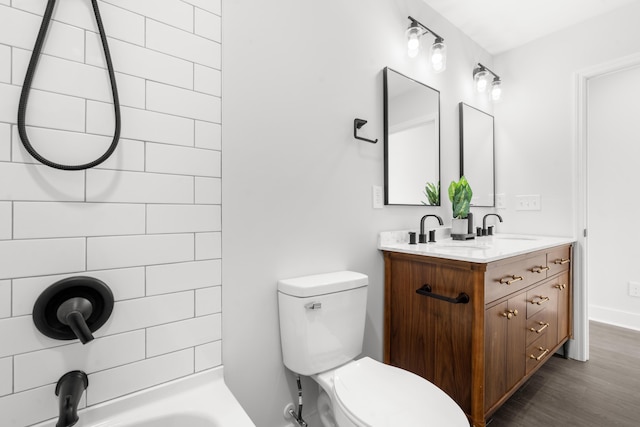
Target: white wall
[
  {"x": 535, "y": 124},
  {"x": 147, "y": 221},
  {"x": 536, "y": 141},
  {"x": 297, "y": 185}
]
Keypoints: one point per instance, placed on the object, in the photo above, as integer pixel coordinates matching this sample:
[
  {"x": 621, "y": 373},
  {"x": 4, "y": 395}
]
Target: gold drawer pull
[
  {"x": 541, "y": 301},
  {"x": 511, "y": 279},
  {"x": 544, "y": 353},
  {"x": 562, "y": 261},
  {"x": 509, "y": 314},
  {"x": 539, "y": 269},
  {"x": 544, "y": 326},
  {"x": 561, "y": 287}
]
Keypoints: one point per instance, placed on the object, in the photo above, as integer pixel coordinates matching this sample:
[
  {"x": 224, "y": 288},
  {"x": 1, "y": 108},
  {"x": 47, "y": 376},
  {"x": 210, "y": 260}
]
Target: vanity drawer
[
  {"x": 540, "y": 298},
  {"x": 508, "y": 278},
  {"x": 558, "y": 259},
  {"x": 537, "y": 352},
  {"x": 539, "y": 325}
]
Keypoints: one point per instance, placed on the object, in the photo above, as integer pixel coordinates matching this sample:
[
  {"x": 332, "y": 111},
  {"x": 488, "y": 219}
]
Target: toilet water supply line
[
  {"x": 298, "y": 416},
  {"x": 26, "y": 88}
]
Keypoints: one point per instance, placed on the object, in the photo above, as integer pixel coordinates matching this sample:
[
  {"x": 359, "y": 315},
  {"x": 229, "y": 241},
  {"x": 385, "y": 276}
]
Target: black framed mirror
[
  {"x": 411, "y": 141},
  {"x": 477, "y": 154}
]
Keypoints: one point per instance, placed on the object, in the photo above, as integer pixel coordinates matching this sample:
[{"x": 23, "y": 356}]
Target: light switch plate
[
  {"x": 378, "y": 196},
  {"x": 634, "y": 289},
  {"x": 529, "y": 202}
]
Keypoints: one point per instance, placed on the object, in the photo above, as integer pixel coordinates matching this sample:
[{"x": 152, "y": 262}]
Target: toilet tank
[{"x": 322, "y": 320}]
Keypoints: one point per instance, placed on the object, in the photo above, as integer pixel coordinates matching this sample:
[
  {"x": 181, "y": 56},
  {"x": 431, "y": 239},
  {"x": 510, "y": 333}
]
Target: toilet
[{"x": 322, "y": 320}]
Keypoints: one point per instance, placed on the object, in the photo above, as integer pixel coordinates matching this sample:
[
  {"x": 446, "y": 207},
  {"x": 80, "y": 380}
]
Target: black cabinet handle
[{"x": 425, "y": 290}]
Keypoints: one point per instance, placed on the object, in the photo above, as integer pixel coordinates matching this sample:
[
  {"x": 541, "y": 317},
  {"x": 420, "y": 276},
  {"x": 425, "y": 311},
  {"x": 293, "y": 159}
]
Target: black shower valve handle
[
  {"x": 74, "y": 313},
  {"x": 74, "y": 307}
]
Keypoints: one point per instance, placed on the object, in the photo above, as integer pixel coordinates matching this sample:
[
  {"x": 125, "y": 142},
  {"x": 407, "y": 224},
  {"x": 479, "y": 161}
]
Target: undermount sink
[
  {"x": 462, "y": 246},
  {"x": 513, "y": 237}
]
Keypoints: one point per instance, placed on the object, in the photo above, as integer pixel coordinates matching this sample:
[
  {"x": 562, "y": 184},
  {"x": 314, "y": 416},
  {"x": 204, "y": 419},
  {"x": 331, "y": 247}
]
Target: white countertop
[{"x": 481, "y": 249}]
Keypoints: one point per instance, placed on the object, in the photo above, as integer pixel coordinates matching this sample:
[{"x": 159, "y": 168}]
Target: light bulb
[
  {"x": 438, "y": 54},
  {"x": 496, "y": 89},
  {"x": 481, "y": 78},
  {"x": 413, "y": 41}
]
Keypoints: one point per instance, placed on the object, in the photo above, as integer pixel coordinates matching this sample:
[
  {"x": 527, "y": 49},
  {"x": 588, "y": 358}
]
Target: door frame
[{"x": 579, "y": 350}]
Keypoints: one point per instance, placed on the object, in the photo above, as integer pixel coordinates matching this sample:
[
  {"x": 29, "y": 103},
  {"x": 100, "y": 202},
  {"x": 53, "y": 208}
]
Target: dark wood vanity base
[{"x": 479, "y": 330}]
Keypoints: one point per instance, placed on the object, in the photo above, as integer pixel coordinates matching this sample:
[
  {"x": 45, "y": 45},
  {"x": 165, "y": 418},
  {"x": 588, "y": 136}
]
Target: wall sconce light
[
  {"x": 482, "y": 79},
  {"x": 437, "y": 51}
]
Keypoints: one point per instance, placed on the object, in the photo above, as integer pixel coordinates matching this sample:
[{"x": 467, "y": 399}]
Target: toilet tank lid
[{"x": 320, "y": 284}]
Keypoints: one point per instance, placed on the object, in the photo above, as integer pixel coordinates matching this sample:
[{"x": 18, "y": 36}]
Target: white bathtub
[{"x": 201, "y": 400}]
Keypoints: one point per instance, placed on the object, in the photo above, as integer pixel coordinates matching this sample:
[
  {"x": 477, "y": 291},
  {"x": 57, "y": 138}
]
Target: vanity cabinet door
[
  {"x": 504, "y": 348},
  {"x": 426, "y": 335},
  {"x": 495, "y": 346}
]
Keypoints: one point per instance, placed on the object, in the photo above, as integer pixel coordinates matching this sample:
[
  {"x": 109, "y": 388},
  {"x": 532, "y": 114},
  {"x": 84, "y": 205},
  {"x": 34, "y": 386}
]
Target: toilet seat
[{"x": 373, "y": 394}]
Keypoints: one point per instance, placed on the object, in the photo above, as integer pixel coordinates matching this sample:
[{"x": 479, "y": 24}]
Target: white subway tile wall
[
  {"x": 5, "y": 298},
  {"x": 208, "y": 245},
  {"x": 147, "y": 221},
  {"x": 168, "y": 278},
  {"x": 208, "y": 356},
  {"x": 5, "y": 221},
  {"x": 208, "y": 190},
  {"x": 5, "y": 138},
  {"x": 140, "y": 124},
  {"x": 178, "y": 335},
  {"x": 5, "y": 64},
  {"x": 208, "y": 135},
  {"x": 207, "y": 80},
  {"x": 208, "y": 25},
  {"x": 208, "y": 300},
  {"x": 112, "y": 383},
  {"x": 31, "y": 406},
  {"x": 6, "y": 377}
]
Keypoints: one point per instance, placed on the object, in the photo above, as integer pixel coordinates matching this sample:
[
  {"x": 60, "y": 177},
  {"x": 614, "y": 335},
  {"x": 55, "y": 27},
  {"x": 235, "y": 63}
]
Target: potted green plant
[
  {"x": 460, "y": 194},
  {"x": 432, "y": 191}
]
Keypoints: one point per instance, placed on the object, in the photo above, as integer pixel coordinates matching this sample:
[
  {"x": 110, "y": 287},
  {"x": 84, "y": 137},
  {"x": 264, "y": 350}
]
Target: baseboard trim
[{"x": 619, "y": 318}]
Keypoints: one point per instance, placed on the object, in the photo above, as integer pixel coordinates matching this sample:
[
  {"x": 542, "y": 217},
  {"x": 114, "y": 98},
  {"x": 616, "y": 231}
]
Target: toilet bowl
[
  {"x": 366, "y": 392},
  {"x": 321, "y": 331}
]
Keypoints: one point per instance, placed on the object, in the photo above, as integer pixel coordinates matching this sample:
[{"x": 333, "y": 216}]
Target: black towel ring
[{"x": 26, "y": 88}]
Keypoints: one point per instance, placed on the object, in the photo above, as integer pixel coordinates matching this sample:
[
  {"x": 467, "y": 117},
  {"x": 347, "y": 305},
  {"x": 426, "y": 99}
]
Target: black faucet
[
  {"x": 69, "y": 390},
  {"x": 422, "y": 238},
  {"x": 489, "y": 231}
]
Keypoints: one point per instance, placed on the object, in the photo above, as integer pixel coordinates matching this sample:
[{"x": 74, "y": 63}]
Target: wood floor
[{"x": 603, "y": 392}]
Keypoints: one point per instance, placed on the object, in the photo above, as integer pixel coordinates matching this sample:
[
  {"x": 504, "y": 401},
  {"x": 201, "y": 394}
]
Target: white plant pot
[{"x": 459, "y": 226}]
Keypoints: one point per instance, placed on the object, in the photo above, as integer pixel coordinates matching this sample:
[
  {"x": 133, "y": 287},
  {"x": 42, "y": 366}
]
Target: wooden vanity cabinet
[
  {"x": 504, "y": 348},
  {"x": 479, "y": 352}
]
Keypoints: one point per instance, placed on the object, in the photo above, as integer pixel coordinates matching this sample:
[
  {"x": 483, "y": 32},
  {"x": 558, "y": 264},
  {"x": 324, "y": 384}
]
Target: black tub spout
[{"x": 69, "y": 391}]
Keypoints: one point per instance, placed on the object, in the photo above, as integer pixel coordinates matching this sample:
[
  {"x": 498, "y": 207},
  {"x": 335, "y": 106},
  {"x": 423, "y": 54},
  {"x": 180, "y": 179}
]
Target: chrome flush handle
[{"x": 313, "y": 306}]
